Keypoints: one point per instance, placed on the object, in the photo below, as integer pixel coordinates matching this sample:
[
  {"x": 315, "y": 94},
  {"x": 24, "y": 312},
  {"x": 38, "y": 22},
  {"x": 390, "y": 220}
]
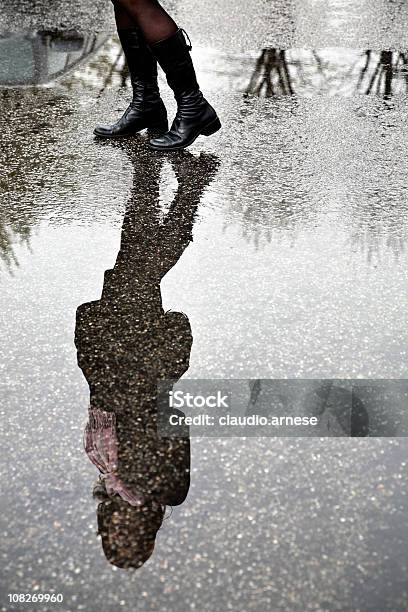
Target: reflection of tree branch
[
  {"x": 8, "y": 235},
  {"x": 364, "y": 69},
  {"x": 386, "y": 58},
  {"x": 114, "y": 68},
  {"x": 372, "y": 80},
  {"x": 286, "y": 71},
  {"x": 405, "y": 68}
]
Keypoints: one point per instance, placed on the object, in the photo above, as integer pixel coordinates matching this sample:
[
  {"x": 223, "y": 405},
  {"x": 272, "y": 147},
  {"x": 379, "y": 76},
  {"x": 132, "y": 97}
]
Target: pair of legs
[
  {"x": 149, "y": 36},
  {"x": 154, "y": 22}
]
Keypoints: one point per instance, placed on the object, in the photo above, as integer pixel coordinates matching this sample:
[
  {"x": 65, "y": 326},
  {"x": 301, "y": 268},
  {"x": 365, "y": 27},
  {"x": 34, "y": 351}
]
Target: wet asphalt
[{"x": 291, "y": 262}]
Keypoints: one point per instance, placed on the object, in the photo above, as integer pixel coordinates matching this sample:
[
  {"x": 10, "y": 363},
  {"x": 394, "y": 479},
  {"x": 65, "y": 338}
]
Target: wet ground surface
[{"x": 297, "y": 268}]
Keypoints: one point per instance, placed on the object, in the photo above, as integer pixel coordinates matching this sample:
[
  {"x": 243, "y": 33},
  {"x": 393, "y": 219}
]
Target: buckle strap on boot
[{"x": 186, "y": 36}]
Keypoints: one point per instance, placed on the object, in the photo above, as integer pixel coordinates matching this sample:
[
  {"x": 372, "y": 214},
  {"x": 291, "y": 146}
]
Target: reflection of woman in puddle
[{"x": 126, "y": 342}]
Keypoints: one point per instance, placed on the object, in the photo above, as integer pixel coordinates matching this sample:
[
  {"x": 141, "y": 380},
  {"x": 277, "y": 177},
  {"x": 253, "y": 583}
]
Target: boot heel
[{"x": 211, "y": 128}]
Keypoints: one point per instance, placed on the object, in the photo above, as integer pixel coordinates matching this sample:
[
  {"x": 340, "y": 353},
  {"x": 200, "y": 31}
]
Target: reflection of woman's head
[{"x": 128, "y": 532}]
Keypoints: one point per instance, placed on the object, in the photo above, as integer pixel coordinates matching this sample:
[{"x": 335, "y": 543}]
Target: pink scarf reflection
[{"x": 101, "y": 446}]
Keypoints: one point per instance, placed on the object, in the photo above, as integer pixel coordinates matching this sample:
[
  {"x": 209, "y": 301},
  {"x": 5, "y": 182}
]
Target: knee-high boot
[
  {"x": 146, "y": 109},
  {"x": 195, "y": 116}
]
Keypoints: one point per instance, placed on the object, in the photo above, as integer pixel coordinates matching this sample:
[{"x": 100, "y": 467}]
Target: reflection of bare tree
[
  {"x": 34, "y": 122},
  {"x": 304, "y": 168},
  {"x": 374, "y": 244},
  {"x": 330, "y": 71},
  {"x": 379, "y": 70},
  {"x": 9, "y": 235},
  {"x": 271, "y": 74},
  {"x": 28, "y": 156},
  {"x": 380, "y": 219},
  {"x": 267, "y": 190},
  {"x": 283, "y": 72}
]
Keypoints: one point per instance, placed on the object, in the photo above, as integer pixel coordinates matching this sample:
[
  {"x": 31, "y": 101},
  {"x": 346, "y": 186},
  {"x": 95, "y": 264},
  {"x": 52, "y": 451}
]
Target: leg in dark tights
[
  {"x": 149, "y": 15},
  {"x": 123, "y": 19},
  {"x": 146, "y": 109}
]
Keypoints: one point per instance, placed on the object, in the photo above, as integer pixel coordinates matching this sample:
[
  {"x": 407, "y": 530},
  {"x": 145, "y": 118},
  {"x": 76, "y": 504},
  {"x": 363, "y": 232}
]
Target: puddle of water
[{"x": 297, "y": 267}]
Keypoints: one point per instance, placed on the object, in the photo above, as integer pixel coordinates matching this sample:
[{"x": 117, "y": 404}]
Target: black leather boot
[
  {"x": 146, "y": 111},
  {"x": 195, "y": 116}
]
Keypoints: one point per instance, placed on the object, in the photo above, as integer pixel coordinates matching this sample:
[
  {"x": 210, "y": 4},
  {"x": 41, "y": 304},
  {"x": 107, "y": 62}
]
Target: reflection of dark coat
[
  {"x": 122, "y": 359},
  {"x": 123, "y": 350}
]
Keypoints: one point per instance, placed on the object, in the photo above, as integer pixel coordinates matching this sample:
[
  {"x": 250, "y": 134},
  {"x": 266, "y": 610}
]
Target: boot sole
[
  {"x": 208, "y": 130},
  {"x": 156, "y": 129}
]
